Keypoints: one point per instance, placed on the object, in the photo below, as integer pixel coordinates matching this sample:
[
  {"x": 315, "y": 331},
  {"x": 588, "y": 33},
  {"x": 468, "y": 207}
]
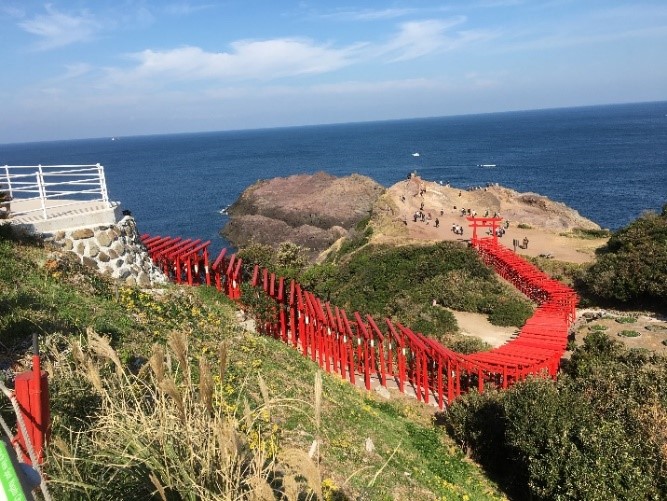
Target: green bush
[
  {"x": 629, "y": 333},
  {"x": 466, "y": 344},
  {"x": 592, "y": 234},
  {"x": 510, "y": 313},
  {"x": 596, "y": 433},
  {"x": 632, "y": 267},
  {"x": 4, "y": 204},
  {"x": 403, "y": 282}
]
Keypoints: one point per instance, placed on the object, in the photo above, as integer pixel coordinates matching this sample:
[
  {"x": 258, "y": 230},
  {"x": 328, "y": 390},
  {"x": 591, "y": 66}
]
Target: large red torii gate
[{"x": 484, "y": 222}]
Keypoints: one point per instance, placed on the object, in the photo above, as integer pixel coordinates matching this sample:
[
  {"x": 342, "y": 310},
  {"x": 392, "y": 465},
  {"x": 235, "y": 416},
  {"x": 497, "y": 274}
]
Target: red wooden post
[
  {"x": 236, "y": 279},
  {"x": 450, "y": 381},
  {"x": 352, "y": 369},
  {"x": 293, "y": 313},
  {"x": 32, "y": 394},
  {"x": 207, "y": 270},
  {"x": 380, "y": 348},
  {"x": 441, "y": 396},
  {"x": 302, "y": 321},
  {"x": 228, "y": 275},
  {"x": 342, "y": 339},
  {"x": 281, "y": 305},
  {"x": 362, "y": 334},
  {"x": 217, "y": 269}
]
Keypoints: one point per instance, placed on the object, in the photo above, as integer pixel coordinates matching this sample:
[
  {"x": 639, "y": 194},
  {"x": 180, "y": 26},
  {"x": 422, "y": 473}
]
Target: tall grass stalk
[{"x": 162, "y": 433}]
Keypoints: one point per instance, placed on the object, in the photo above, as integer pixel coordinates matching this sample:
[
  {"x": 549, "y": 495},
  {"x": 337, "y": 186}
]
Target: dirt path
[
  {"x": 477, "y": 325},
  {"x": 546, "y": 225}
]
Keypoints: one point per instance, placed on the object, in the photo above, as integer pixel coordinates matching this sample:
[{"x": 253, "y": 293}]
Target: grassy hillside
[{"x": 162, "y": 394}]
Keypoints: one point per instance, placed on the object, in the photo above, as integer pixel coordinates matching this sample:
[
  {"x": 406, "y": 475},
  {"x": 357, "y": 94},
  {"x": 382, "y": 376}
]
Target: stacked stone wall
[{"x": 115, "y": 250}]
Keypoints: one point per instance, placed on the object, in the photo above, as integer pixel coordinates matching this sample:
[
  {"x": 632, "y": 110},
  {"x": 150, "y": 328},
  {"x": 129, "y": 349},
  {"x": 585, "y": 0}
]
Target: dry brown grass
[{"x": 163, "y": 434}]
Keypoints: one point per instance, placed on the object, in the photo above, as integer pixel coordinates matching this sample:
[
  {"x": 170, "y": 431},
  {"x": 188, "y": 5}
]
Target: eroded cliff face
[{"x": 311, "y": 210}]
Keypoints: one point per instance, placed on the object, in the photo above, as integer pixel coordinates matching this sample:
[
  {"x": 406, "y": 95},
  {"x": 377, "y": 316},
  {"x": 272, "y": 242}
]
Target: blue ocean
[{"x": 607, "y": 162}]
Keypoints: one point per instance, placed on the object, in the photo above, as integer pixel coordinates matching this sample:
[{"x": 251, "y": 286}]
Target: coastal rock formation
[
  {"x": 519, "y": 208},
  {"x": 311, "y": 210}
]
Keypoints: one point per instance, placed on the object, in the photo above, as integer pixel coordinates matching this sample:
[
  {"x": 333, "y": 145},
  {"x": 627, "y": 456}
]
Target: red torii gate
[
  {"x": 484, "y": 222},
  {"x": 355, "y": 345}
]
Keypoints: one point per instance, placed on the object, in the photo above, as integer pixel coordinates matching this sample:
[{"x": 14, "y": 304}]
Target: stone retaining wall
[{"x": 114, "y": 250}]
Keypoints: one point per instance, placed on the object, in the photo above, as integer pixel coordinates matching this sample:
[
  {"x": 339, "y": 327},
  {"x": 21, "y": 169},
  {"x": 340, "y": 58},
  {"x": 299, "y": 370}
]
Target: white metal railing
[{"x": 54, "y": 186}]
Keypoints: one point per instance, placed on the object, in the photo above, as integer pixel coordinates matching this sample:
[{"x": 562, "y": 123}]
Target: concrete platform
[{"x": 62, "y": 215}]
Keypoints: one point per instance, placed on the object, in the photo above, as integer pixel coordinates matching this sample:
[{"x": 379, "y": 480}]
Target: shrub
[
  {"x": 632, "y": 266},
  {"x": 4, "y": 204},
  {"x": 255, "y": 253},
  {"x": 626, "y": 320},
  {"x": 598, "y": 327},
  {"x": 467, "y": 344},
  {"x": 629, "y": 333},
  {"x": 596, "y": 432},
  {"x": 590, "y": 233},
  {"x": 524, "y": 226},
  {"x": 510, "y": 313}
]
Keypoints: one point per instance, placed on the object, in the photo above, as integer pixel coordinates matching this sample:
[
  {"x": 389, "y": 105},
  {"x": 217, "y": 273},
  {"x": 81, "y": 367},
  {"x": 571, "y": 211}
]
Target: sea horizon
[
  {"x": 327, "y": 124},
  {"x": 608, "y": 162}
]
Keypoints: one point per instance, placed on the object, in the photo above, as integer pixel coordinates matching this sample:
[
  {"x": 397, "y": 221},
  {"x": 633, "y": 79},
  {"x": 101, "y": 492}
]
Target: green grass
[
  {"x": 412, "y": 459},
  {"x": 591, "y": 234},
  {"x": 402, "y": 282},
  {"x": 598, "y": 327},
  {"x": 629, "y": 333}
]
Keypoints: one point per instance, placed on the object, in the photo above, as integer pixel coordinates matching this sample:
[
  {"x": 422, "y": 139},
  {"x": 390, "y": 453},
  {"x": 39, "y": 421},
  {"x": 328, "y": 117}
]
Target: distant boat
[
  {"x": 113, "y": 138},
  {"x": 487, "y": 165},
  {"x": 415, "y": 154}
]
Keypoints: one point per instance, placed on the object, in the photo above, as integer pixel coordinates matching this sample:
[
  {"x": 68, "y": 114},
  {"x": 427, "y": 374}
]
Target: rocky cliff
[{"x": 311, "y": 210}]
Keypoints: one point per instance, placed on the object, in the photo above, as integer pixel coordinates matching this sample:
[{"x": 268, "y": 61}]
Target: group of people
[
  {"x": 424, "y": 217},
  {"x": 457, "y": 229}
]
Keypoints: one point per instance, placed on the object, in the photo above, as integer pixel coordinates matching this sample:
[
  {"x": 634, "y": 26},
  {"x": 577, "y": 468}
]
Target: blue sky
[{"x": 75, "y": 69}]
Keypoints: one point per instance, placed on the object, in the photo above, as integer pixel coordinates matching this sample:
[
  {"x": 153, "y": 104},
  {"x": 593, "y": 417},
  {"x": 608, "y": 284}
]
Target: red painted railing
[{"x": 355, "y": 345}]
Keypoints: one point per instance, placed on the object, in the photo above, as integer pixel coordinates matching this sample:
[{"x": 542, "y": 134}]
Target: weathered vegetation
[
  {"x": 632, "y": 267},
  {"x": 596, "y": 433},
  {"x": 146, "y": 402}
]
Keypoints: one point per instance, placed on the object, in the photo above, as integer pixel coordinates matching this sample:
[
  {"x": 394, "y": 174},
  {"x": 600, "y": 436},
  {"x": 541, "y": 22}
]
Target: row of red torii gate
[{"x": 356, "y": 346}]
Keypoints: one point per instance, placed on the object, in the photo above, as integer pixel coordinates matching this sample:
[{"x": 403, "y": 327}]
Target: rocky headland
[
  {"x": 315, "y": 211},
  {"x": 312, "y": 210}
]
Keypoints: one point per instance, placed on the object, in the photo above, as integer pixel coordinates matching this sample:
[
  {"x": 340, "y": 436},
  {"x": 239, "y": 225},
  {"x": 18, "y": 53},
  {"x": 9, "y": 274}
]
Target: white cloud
[
  {"x": 258, "y": 60},
  {"x": 267, "y": 60},
  {"x": 420, "y": 38},
  {"x": 56, "y": 29},
  {"x": 185, "y": 8},
  {"x": 368, "y": 14}
]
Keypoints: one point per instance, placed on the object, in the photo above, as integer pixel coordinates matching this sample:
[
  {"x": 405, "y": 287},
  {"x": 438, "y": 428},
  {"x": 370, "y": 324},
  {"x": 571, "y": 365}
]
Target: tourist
[
  {"x": 525, "y": 242},
  {"x": 437, "y": 222}
]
